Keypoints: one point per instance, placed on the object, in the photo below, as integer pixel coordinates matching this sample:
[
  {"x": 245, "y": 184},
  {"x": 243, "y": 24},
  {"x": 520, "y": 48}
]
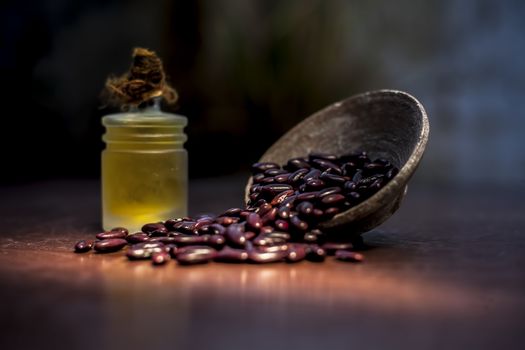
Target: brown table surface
[{"x": 446, "y": 272}]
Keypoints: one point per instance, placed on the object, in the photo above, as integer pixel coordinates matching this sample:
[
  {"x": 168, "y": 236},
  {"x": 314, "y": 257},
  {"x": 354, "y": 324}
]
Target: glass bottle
[{"x": 144, "y": 168}]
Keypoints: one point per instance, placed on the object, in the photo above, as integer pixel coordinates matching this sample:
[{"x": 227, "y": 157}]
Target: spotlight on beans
[{"x": 279, "y": 223}]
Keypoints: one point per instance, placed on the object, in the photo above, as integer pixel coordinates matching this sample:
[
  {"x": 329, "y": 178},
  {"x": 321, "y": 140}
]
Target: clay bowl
[{"x": 386, "y": 123}]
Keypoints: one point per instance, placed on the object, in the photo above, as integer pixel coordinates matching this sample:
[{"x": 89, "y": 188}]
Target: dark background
[{"x": 247, "y": 71}]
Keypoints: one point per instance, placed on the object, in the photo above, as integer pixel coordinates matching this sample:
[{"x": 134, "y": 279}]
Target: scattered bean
[
  {"x": 83, "y": 246},
  {"x": 110, "y": 245},
  {"x": 278, "y": 224}
]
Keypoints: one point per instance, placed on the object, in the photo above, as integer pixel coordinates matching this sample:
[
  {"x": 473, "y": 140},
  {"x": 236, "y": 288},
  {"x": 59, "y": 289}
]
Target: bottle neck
[{"x": 144, "y": 129}]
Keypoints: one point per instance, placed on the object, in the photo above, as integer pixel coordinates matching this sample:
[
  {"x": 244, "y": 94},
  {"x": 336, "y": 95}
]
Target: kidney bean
[
  {"x": 315, "y": 253},
  {"x": 306, "y": 196},
  {"x": 216, "y": 229},
  {"x": 317, "y": 232},
  {"x": 176, "y": 233},
  {"x": 330, "y": 212},
  {"x": 298, "y": 223},
  {"x": 324, "y": 156},
  {"x": 328, "y": 191},
  {"x": 203, "y": 216},
  {"x": 163, "y": 239},
  {"x": 350, "y": 186},
  {"x": 160, "y": 258},
  {"x": 201, "y": 231},
  {"x": 172, "y": 250},
  {"x": 312, "y": 174},
  {"x": 288, "y": 202},
  {"x": 279, "y": 235},
  {"x": 332, "y": 247},
  {"x": 261, "y": 167},
  {"x": 281, "y": 225},
  {"x": 249, "y": 235},
  {"x": 256, "y": 205},
  {"x": 296, "y": 253},
  {"x": 231, "y": 255},
  {"x": 345, "y": 255},
  {"x": 349, "y": 169},
  {"x": 235, "y": 235},
  {"x": 233, "y": 212},
  {"x": 314, "y": 236},
  {"x": 198, "y": 249},
  {"x": 216, "y": 240},
  {"x": 376, "y": 186},
  {"x": 226, "y": 220},
  {"x": 357, "y": 176},
  {"x": 332, "y": 179},
  {"x": 254, "y": 221},
  {"x": 367, "y": 181},
  {"x": 207, "y": 218},
  {"x": 274, "y": 172},
  {"x": 374, "y": 167},
  {"x": 269, "y": 217},
  {"x": 155, "y": 229},
  {"x": 267, "y": 180},
  {"x": 323, "y": 165},
  {"x": 296, "y": 164},
  {"x": 83, "y": 246},
  {"x": 195, "y": 255},
  {"x": 333, "y": 199},
  {"x": 262, "y": 240},
  {"x": 110, "y": 245},
  {"x": 391, "y": 173},
  {"x": 317, "y": 213},
  {"x": 305, "y": 208},
  {"x": 282, "y": 178},
  {"x": 144, "y": 250},
  {"x": 171, "y": 222},
  {"x": 266, "y": 229},
  {"x": 244, "y": 214},
  {"x": 281, "y": 197},
  {"x": 384, "y": 161},
  {"x": 202, "y": 224},
  {"x": 186, "y": 227},
  {"x": 274, "y": 189},
  {"x": 122, "y": 230},
  {"x": 257, "y": 178},
  {"x": 191, "y": 239},
  {"x": 363, "y": 158},
  {"x": 273, "y": 248},
  {"x": 155, "y": 246},
  {"x": 314, "y": 184},
  {"x": 263, "y": 208},
  {"x": 310, "y": 237},
  {"x": 266, "y": 257},
  {"x": 298, "y": 175},
  {"x": 284, "y": 212},
  {"x": 137, "y": 237}
]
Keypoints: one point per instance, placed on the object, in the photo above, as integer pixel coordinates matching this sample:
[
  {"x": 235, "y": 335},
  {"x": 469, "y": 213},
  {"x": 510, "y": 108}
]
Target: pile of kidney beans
[{"x": 279, "y": 223}]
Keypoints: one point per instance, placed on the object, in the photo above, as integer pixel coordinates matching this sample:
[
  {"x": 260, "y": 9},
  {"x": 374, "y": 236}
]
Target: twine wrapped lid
[{"x": 144, "y": 82}]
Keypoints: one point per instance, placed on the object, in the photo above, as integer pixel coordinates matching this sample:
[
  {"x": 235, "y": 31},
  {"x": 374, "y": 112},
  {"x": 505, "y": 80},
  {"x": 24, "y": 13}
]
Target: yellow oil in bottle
[{"x": 144, "y": 168}]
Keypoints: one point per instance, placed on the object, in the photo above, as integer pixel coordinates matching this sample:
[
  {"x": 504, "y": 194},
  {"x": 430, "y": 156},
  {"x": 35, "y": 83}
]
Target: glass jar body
[{"x": 144, "y": 169}]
